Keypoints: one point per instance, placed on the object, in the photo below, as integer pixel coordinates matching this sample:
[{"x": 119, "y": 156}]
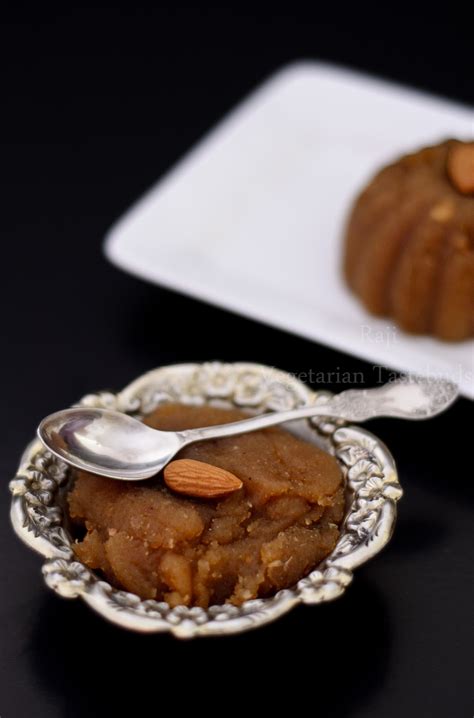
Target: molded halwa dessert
[
  {"x": 261, "y": 538},
  {"x": 409, "y": 248}
]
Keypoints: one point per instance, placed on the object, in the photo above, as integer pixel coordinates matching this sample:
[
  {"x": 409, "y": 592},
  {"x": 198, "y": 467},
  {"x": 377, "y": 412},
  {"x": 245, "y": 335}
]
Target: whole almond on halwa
[
  {"x": 461, "y": 167},
  {"x": 196, "y": 478}
]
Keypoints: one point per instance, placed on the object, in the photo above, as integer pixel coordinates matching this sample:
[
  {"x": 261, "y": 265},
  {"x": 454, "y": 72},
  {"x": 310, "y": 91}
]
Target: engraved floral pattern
[
  {"x": 369, "y": 470},
  {"x": 68, "y": 577}
]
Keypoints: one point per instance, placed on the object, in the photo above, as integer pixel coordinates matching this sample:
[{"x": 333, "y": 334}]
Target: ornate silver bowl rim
[{"x": 372, "y": 489}]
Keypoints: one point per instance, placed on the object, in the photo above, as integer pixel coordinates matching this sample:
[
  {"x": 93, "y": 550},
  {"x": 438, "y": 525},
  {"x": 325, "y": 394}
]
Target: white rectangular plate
[{"x": 252, "y": 219}]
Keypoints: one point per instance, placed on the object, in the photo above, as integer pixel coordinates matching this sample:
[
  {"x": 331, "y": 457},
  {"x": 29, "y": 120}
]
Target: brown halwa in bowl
[
  {"x": 188, "y": 551},
  {"x": 317, "y": 500}
]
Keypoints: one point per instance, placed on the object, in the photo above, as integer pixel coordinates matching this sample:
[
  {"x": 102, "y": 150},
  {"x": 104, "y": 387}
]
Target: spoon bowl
[{"x": 108, "y": 443}]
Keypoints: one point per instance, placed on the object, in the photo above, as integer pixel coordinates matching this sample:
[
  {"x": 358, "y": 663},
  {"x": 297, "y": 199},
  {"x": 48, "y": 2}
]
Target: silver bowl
[{"x": 372, "y": 490}]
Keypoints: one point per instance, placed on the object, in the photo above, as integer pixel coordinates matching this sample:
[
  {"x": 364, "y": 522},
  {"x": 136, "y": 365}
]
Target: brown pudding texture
[
  {"x": 262, "y": 538},
  {"x": 409, "y": 245}
]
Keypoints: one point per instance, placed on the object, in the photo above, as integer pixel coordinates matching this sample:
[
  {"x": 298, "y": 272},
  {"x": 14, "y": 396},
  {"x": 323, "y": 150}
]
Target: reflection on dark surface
[{"x": 335, "y": 656}]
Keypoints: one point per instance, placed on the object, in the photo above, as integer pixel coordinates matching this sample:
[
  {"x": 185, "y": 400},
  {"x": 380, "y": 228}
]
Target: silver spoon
[{"x": 116, "y": 445}]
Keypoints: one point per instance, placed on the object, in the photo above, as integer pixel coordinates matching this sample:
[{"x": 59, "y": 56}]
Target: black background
[{"x": 96, "y": 104}]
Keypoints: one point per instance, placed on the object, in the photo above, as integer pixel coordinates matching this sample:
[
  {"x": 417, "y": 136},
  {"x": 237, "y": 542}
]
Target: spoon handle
[{"x": 405, "y": 398}]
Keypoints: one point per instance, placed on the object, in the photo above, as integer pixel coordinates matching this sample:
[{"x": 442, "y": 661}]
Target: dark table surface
[{"x": 96, "y": 104}]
